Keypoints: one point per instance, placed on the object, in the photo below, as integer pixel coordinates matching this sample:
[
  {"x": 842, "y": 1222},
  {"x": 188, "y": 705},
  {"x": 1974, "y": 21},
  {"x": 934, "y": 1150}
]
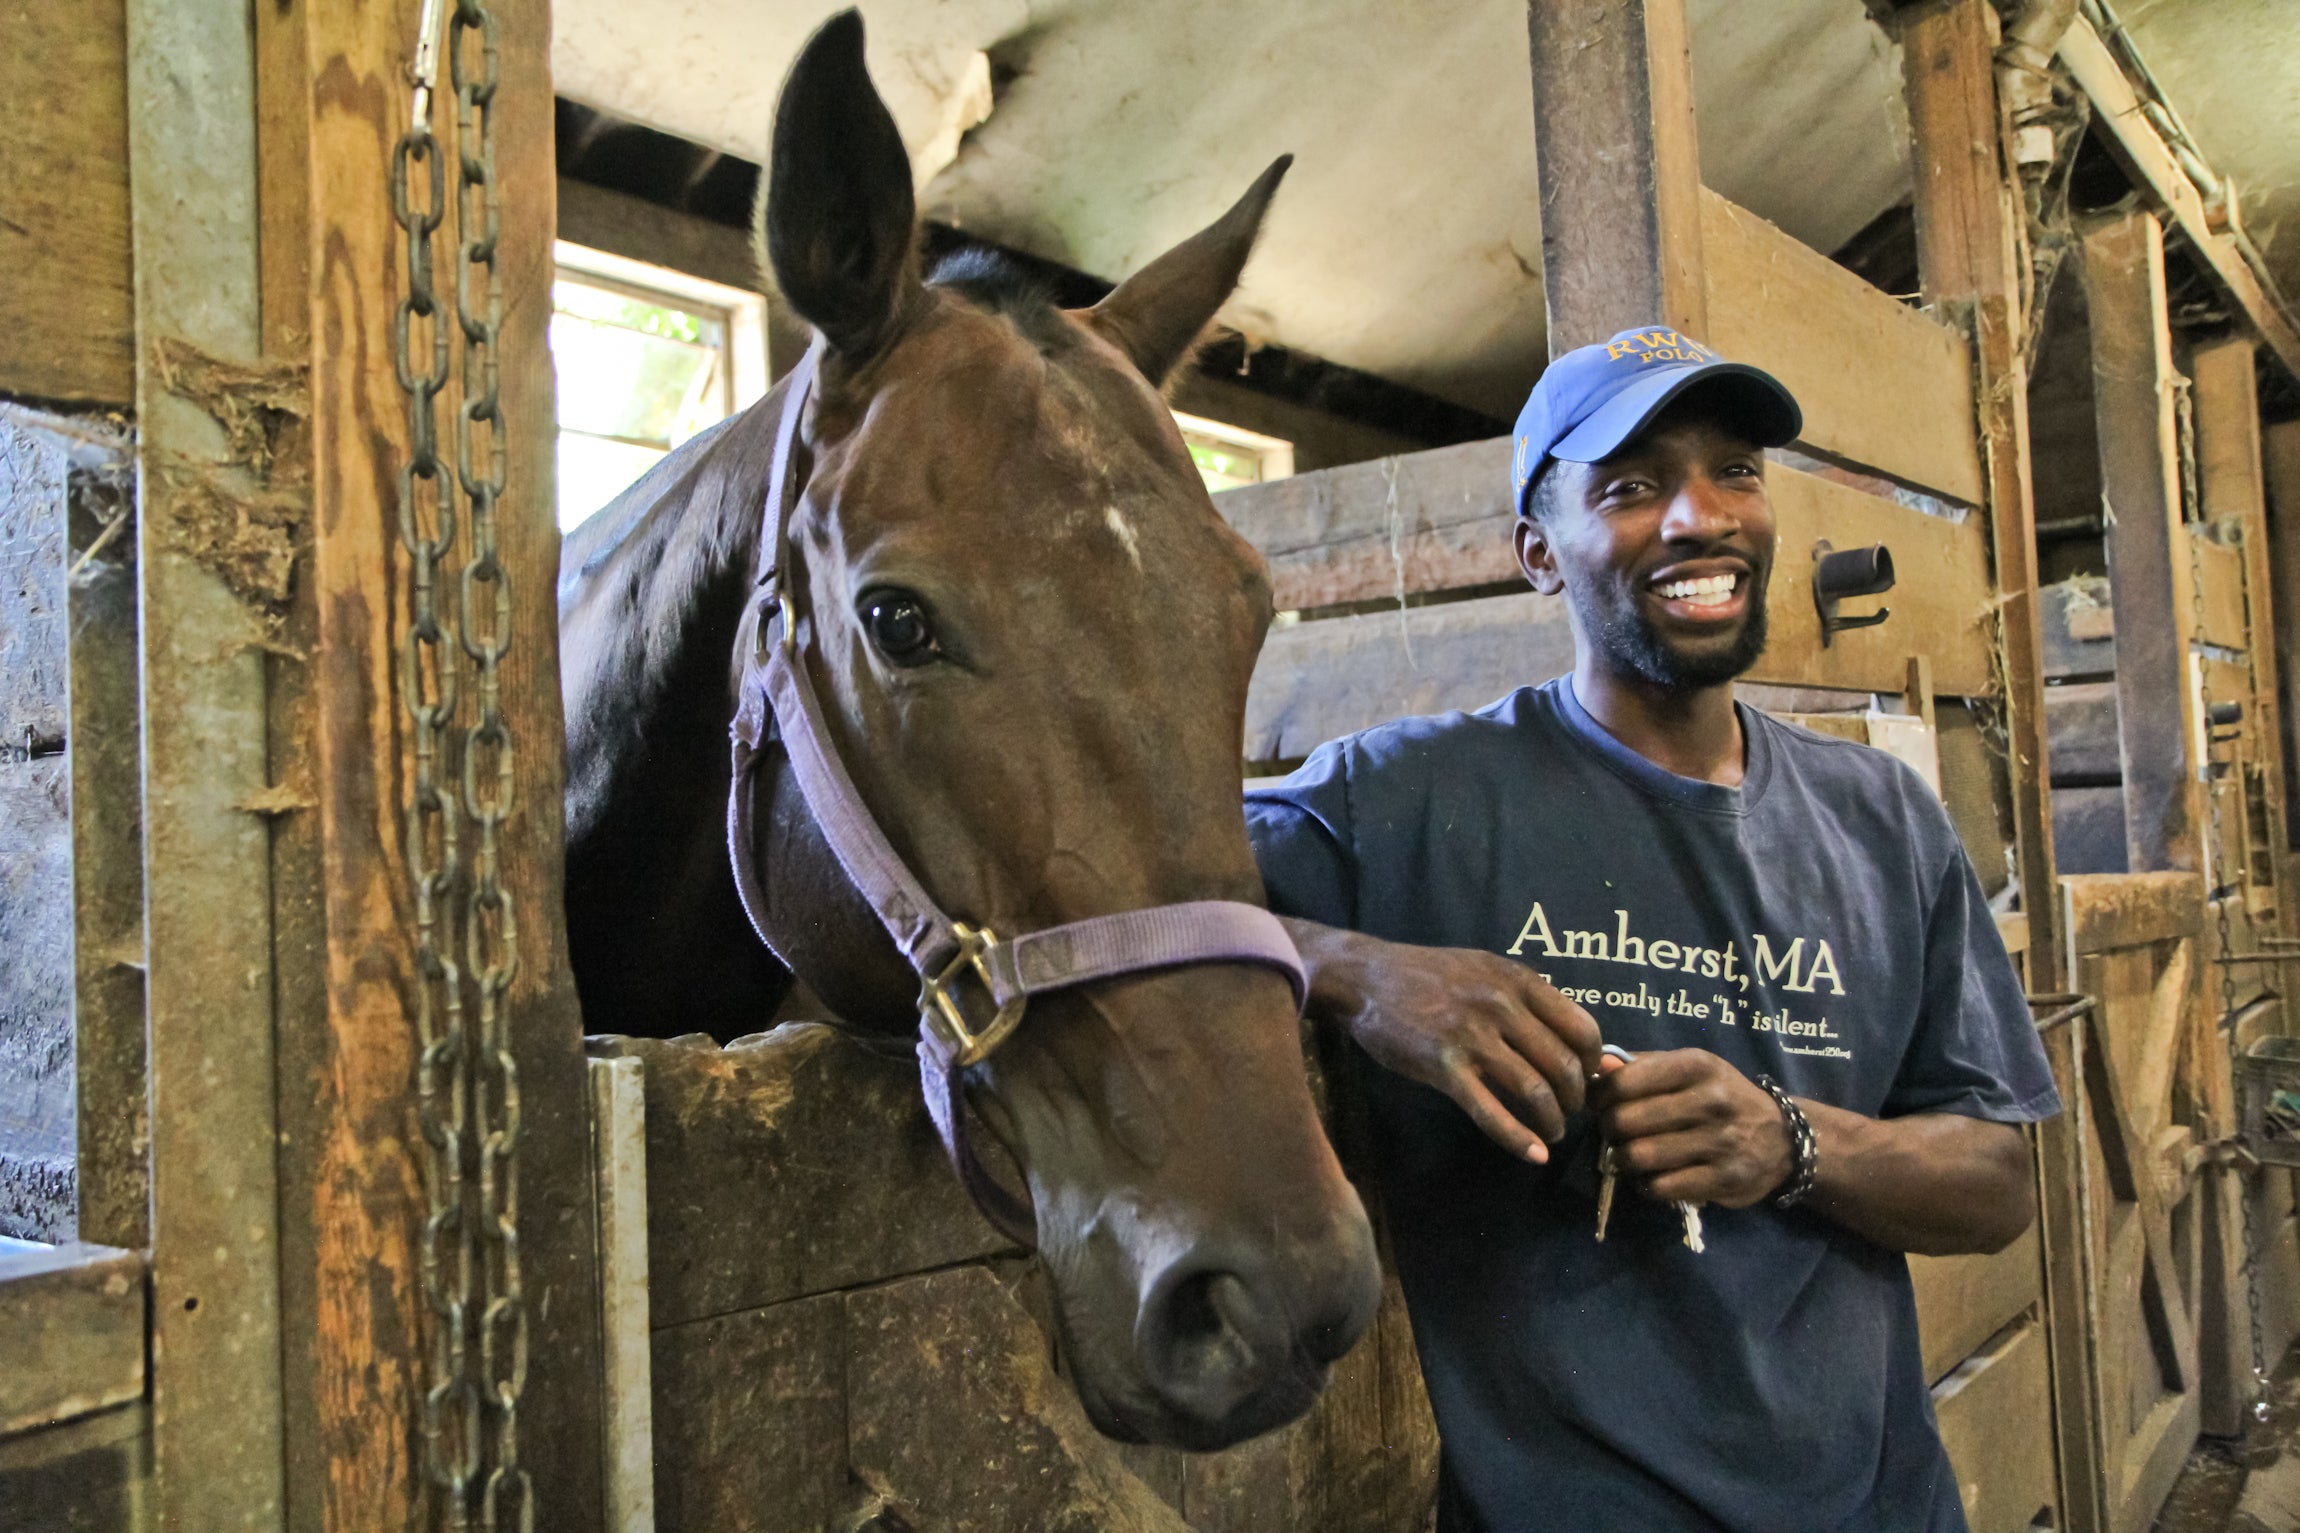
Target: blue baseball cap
[{"x": 1594, "y": 399}]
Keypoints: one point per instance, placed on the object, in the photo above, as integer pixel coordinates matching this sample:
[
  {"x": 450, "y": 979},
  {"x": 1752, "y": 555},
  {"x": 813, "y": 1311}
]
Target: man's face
[{"x": 1663, "y": 550}]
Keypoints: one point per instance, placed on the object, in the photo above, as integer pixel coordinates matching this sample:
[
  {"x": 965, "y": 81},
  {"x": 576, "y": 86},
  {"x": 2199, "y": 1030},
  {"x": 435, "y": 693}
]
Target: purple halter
[{"x": 777, "y": 700}]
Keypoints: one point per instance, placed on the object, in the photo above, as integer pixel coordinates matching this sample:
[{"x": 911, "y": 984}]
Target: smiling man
[{"x": 1832, "y": 1053}]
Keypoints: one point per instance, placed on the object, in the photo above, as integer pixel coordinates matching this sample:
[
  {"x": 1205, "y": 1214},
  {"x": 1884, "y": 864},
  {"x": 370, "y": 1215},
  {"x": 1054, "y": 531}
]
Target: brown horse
[{"x": 1032, "y": 633}]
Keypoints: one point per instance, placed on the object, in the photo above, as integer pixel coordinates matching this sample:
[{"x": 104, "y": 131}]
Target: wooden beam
[
  {"x": 2149, "y": 564},
  {"x": 206, "y": 558},
  {"x": 1620, "y": 168},
  {"x": 2064, "y": 1224},
  {"x": 2113, "y": 910},
  {"x": 2233, "y": 483},
  {"x": 67, "y": 321},
  {"x": 2116, "y": 108},
  {"x": 335, "y": 103},
  {"x": 1965, "y": 254},
  {"x": 2280, "y": 467}
]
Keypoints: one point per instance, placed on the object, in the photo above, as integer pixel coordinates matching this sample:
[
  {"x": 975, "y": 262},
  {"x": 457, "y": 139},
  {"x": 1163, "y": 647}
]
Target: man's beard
[{"x": 1627, "y": 642}]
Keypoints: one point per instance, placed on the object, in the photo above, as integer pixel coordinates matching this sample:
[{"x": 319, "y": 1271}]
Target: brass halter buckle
[{"x": 939, "y": 1008}]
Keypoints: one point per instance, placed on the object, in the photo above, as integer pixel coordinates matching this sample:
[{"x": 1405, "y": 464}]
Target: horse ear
[
  {"x": 839, "y": 219},
  {"x": 1155, "y": 316}
]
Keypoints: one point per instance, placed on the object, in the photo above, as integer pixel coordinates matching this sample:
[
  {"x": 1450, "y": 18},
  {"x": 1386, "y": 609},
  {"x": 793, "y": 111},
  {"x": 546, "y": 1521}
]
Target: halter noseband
[{"x": 777, "y": 700}]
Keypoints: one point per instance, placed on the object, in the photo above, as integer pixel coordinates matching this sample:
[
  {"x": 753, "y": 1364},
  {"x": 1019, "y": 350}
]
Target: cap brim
[{"x": 1754, "y": 397}]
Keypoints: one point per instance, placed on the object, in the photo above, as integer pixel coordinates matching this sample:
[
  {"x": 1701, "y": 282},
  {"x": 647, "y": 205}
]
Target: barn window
[
  {"x": 1230, "y": 456},
  {"x": 646, "y": 357}
]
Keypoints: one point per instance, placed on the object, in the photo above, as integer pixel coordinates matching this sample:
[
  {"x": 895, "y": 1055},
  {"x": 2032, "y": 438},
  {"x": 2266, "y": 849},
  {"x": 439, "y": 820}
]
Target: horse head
[{"x": 1032, "y": 635}]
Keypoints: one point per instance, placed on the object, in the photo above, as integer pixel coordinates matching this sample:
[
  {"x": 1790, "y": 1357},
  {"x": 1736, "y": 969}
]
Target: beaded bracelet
[{"x": 1801, "y": 1145}]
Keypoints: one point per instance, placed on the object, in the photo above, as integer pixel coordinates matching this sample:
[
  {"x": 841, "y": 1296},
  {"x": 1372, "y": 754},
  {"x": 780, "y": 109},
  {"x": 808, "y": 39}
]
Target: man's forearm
[{"x": 1934, "y": 1183}]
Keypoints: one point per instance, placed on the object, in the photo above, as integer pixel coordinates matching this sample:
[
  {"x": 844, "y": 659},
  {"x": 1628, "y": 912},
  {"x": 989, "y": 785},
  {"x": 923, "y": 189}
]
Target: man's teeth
[{"x": 1708, "y": 591}]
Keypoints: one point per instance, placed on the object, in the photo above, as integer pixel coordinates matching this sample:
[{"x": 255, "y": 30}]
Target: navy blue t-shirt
[{"x": 1820, "y": 924}]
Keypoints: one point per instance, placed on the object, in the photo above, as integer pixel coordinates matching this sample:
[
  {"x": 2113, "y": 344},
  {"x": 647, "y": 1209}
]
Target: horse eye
[{"x": 899, "y": 627}]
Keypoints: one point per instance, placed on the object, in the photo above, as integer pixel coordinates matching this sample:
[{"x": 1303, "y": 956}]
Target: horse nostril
[
  {"x": 1210, "y": 1326},
  {"x": 1206, "y": 1340}
]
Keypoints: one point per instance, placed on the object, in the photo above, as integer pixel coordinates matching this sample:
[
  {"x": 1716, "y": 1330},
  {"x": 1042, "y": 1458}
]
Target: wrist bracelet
[{"x": 1801, "y": 1145}]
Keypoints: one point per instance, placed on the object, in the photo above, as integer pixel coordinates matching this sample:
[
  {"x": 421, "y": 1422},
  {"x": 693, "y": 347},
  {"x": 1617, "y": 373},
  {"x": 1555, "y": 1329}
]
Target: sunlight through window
[{"x": 646, "y": 358}]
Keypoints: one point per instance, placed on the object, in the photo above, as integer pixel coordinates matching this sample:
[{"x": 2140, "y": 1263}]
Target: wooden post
[
  {"x": 335, "y": 100},
  {"x": 1620, "y": 168},
  {"x": 2280, "y": 463},
  {"x": 2132, "y": 382},
  {"x": 203, "y": 559},
  {"x": 1965, "y": 253},
  {"x": 2232, "y": 484}
]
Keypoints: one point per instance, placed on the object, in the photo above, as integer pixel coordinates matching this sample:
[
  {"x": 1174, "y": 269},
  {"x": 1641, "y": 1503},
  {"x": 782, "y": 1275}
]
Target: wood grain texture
[
  {"x": 67, "y": 320},
  {"x": 2148, "y": 550},
  {"x": 1962, "y": 1301},
  {"x": 1881, "y": 384},
  {"x": 787, "y": 1165},
  {"x": 1995, "y": 1416},
  {"x": 72, "y": 1328},
  {"x": 356, "y": 1192},
  {"x": 2111, "y": 911},
  {"x": 1966, "y": 259},
  {"x": 217, "y": 1415},
  {"x": 1620, "y": 165},
  {"x": 2280, "y": 470}
]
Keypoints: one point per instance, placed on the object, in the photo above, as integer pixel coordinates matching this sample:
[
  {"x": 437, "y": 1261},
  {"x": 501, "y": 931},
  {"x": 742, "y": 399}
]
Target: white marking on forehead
[{"x": 1125, "y": 531}]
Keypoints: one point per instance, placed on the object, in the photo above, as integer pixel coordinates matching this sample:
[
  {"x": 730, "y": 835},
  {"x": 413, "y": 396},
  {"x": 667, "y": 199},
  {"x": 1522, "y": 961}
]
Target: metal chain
[
  {"x": 491, "y": 927},
  {"x": 2218, "y": 895},
  {"x": 467, "y": 1085}
]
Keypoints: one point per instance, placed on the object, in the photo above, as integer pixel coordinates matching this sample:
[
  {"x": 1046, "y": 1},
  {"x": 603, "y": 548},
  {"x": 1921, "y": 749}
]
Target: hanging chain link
[
  {"x": 2219, "y": 894},
  {"x": 466, "y": 930}
]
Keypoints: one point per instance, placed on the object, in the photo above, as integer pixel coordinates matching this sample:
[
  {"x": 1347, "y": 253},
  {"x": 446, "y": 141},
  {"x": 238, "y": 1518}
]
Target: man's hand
[
  {"x": 1487, "y": 1032},
  {"x": 1693, "y": 1129}
]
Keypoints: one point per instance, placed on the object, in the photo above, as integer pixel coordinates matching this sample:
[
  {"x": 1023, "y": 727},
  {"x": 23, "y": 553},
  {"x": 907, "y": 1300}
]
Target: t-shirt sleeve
[
  {"x": 1300, "y": 829},
  {"x": 1975, "y": 1050}
]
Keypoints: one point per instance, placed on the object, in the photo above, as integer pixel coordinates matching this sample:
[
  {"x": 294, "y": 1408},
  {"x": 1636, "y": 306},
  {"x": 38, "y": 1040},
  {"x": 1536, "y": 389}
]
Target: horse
[{"x": 1032, "y": 634}]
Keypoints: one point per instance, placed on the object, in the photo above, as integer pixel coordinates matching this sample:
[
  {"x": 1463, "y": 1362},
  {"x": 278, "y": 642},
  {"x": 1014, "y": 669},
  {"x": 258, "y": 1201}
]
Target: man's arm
[
  {"x": 1513, "y": 1053},
  {"x": 1695, "y": 1129}
]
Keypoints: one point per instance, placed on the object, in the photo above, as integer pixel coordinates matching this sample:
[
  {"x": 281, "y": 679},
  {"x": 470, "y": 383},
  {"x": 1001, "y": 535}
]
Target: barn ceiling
[{"x": 1407, "y": 241}]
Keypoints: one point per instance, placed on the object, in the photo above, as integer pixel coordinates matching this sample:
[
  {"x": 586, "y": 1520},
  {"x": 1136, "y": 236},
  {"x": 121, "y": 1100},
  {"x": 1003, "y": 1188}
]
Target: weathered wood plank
[
  {"x": 93, "y": 1475},
  {"x": 1995, "y": 1414},
  {"x": 2148, "y": 551},
  {"x": 217, "y": 1417},
  {"x": 2081, "y": 719},
  {"x": 954, "y": 1409},
  {"x": 355, "y": 1196},
  {"x": 2079, "y": 629},
  {"x": 2280, "y": 469},
  {"x": 786, "y": 1165},
  {"x": 2108, "y": 911},
  {"x": 67, "y": 323},
  {"x": 2219, "y": 576},
  {"x": 1428, "y": 521},
  {"x": 1620, "y": 168},
  {"x": 72, "y": 1330},
  {"x": 751, "y": 1421},
  {"x": 1962, "y": 1301},
  {"x": 1964, "y": 222},
  {"x": 2064, "y": 1227},
  {"x": 1881, "y": 384},
  {"x": 113, "y": 1119}
]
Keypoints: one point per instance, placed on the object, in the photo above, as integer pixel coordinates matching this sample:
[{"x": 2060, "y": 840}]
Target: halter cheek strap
[{"x": 964, "y": 971}]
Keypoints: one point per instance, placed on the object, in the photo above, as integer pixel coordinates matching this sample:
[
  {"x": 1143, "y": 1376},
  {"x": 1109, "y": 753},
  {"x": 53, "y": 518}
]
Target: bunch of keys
[{"x": 1608, "y": 1169}]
